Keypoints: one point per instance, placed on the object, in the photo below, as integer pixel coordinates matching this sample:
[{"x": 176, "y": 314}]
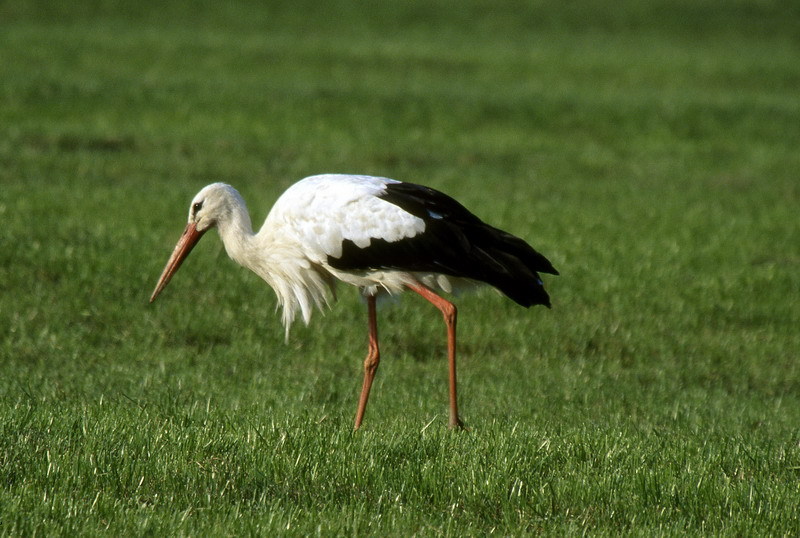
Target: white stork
[{"x": 375, "y": 233}]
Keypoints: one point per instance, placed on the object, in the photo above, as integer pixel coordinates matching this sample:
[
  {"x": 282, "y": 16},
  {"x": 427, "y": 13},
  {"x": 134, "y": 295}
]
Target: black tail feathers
[{"x": 509, "y": 264}]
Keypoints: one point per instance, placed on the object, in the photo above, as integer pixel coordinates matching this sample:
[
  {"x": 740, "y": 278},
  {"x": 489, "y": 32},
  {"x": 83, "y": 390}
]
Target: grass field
[{"x": 649, "y": 150}]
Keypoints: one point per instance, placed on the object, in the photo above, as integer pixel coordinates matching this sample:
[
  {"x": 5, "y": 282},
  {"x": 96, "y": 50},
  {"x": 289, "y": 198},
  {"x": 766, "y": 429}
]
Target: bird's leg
[
  {"x": 371, "y": 362},
  {"x": 449, "y": 312}
]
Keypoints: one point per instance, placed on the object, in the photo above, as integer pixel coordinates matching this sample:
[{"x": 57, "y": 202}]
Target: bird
[{"x": 381, "y": 235}]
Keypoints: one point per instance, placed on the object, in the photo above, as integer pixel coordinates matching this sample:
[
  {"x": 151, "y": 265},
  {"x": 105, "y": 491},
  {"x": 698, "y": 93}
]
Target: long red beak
[{"x": 185, "y": 245}]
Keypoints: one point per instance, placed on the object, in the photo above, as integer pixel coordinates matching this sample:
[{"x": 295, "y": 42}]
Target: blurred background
[{"x": 649, "y": 149}]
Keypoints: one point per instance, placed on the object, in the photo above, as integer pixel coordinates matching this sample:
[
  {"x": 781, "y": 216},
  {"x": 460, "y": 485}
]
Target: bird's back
[{"x": 323, "y": 212}]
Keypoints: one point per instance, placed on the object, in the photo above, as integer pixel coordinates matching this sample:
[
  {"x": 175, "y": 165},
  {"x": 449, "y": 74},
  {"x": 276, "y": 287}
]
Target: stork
[{"x": 379, "y": 234}]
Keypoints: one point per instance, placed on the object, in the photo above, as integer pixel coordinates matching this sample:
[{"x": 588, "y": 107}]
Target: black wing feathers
[{"x": 456, "y": 243}]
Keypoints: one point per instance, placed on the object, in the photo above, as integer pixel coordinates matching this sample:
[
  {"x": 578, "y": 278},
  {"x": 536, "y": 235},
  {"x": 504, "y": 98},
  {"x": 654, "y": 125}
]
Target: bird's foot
[{"x": 457, "y": 424}]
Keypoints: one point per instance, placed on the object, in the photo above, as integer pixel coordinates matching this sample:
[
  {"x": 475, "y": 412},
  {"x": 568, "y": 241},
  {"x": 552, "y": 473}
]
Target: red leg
[
  {"x": 449, "y": 312},
  {"x": 371, "y": 362}
]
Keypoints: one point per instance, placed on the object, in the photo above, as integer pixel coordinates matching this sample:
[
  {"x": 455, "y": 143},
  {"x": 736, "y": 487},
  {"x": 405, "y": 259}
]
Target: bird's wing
[{"x": 455, "y": 243}]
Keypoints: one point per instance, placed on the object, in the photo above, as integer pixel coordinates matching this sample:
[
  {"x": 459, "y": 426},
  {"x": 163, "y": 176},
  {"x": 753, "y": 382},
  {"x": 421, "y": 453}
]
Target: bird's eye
[{"x": 197, "y": 207}]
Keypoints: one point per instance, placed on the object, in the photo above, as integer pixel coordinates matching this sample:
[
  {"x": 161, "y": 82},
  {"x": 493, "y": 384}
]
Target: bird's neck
[{"x": 236, "y": 233}]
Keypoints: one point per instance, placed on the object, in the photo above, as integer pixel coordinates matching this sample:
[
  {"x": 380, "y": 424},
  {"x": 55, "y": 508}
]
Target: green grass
[{"x": 649, "y": 150}]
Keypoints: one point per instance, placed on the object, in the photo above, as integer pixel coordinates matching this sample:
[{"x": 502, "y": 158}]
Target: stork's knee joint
[
  {"x": 450, "y": 313},
  {"x": 372, "y": 360}
]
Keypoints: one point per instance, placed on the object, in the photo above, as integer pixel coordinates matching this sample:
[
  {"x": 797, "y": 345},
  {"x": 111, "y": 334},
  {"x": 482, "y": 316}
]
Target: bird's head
[{"x": 212, "y": 205}]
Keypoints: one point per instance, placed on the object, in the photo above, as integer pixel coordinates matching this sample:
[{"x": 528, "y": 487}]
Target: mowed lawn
[{"x": 650, "y": 150}]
